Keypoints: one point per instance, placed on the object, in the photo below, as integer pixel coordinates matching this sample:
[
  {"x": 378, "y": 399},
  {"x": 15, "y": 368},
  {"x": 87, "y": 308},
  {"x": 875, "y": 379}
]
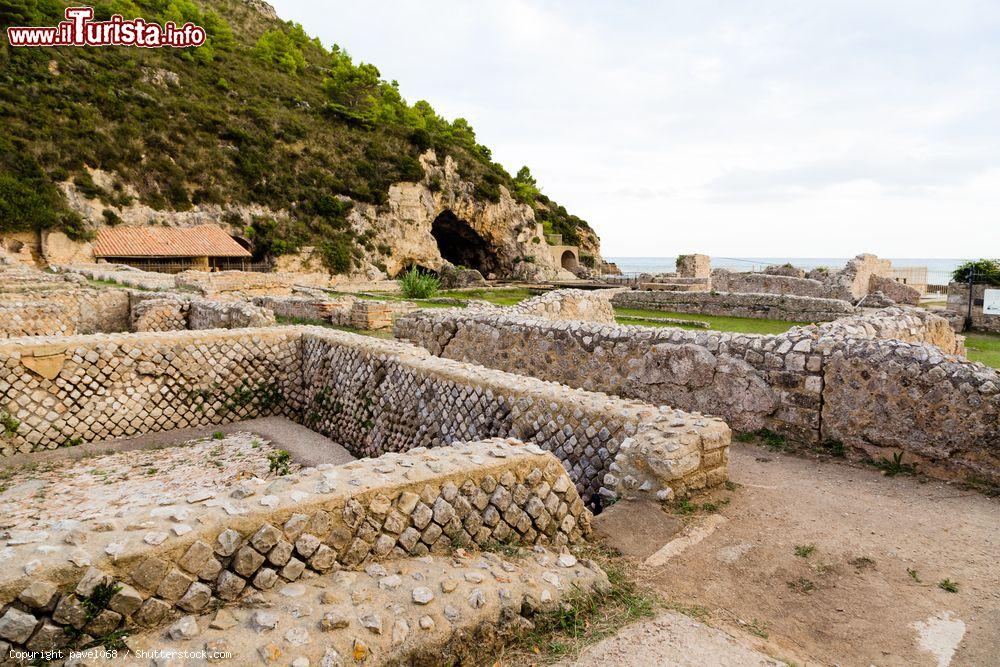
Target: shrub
[
  {"x": 338, "y": 253},
  {"x": 416, "y": 284},
  {"x": 984, "y": 271}
]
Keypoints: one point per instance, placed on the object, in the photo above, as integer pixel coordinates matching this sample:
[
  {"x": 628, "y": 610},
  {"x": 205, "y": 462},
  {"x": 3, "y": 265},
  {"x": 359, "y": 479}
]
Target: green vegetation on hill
[{"x": 260, "y": 114}]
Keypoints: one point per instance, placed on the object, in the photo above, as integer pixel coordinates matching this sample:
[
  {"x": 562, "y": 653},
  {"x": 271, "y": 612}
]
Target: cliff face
[
  {"x": 309, "y": 156},
  {"x": 440, "y": 218}
]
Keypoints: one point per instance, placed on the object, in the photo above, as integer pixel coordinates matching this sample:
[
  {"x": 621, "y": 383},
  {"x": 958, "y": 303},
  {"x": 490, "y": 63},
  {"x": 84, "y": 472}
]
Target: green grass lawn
[
  {"x": 718, "y": 323},
  {"x": 984, "y": 347},
  {"x": 503, "y": 296}
]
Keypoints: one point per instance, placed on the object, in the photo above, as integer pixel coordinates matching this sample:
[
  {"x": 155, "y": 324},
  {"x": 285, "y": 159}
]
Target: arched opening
[
  {"x": 461, "y": 245},
  {"x": 568, "y": 260}
]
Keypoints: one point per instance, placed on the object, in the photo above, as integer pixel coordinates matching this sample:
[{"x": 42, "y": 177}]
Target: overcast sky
[{"x": 808, "y": 129}]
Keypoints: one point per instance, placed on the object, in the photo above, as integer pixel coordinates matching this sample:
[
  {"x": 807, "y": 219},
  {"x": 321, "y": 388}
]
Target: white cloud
[{"x": 743, "y": 129}]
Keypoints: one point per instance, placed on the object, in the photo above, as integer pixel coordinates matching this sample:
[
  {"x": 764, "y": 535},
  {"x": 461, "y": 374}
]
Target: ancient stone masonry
[
  {"x": 92, "y": 388},
  {"x": 766, "y": 306},
  {"x": 791, "y": 383},
  {"x": 304, "y": 525},
  {"x": 159, "y": 313},
  {"x": 376, "y": 399},
  {"x": 751, "y": 381},
  {"x": 373, "y": 396},
  {"x": 911, "y": 325},
  {"x": 307, "y": 307},
  {"x": 860, "y": 276},
  {"x": 888, "y": 396},
  {"x": 569, "y": 304},
  {"x": 62, "y": 312}
]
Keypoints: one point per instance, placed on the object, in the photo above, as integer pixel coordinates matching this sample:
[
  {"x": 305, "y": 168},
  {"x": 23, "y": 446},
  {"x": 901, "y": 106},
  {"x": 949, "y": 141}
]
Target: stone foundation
[
  {"x": 835, "y": 382},
  {"x": 144, "y": 566},
  {"x": 55, "y": 312},
  {"x": 373, "y": 396},
  {"x": 569, "y": 304},
  {"x": 761, "y": 306}
]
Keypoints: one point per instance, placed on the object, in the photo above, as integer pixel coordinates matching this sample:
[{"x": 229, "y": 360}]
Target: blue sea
[{"x": 938, "y": 270}]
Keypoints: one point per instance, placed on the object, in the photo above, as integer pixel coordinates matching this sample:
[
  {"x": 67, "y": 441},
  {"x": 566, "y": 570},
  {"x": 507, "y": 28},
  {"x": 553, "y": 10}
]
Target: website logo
[{"x": 80, "y": 30}]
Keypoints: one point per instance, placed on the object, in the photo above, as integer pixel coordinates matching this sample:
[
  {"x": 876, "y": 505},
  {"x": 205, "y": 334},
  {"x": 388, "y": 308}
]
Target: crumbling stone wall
[
  {"x": 848, "y": 284},
  {"x": 794, "y": 383},
  {"x": 315, "y": 522},
  {"x": 92, "y": 388},
  {"x": 893, "y": 289},
  {"x": 904, "y": 323},
  {"x": 62, "y": 311},
  {"x": 569, "y": 304},
  {"x": 163, "y": 313},
  {"x": 205, "y": 314},
  {"x": 751, "y": 381},
  {"x": 307, "y": 307},
  {"x": 882, "y": 397},
  {"x": 761, "y": 306},
  {"x": 373, "y": 396},
  {"x": 724, "y": 280},
  {"x": 247, "y": 283}
]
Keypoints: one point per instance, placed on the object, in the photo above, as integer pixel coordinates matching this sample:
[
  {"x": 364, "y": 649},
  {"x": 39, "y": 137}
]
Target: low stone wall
[
  {"x": 724, "y": 280},
  {"x": 569, "y": 304},
  {"x": 896, "y": 291},
  {"x": 762, "y": 306},
  {"x": 903, "y": 323},
  {"x": 306, "y": 307},
  {"x": 204, "y": 314},
  {"x": 314, "y": 522},
  {"x": 883, "y": 397},
  {"x": 805, "y": 384},
  {"x": 121, "y": 274},
  {"x": 62, "y": 312},
  {"x": 164, "y": 313},
  {"x": 371, "y": 395},
  {"x": 751, "y": 381},
  {"x": 247, "y": 283}
]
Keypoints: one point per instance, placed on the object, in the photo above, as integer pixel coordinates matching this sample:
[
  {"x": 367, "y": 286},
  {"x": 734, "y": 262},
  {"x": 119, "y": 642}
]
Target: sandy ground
[
  {"x": 671, "y": 639},
  {"x": 850, "y": 599}
]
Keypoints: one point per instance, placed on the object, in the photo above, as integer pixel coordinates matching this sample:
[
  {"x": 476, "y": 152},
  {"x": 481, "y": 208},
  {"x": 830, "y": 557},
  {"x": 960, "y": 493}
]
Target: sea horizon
[{"x": 939, "y": 269}]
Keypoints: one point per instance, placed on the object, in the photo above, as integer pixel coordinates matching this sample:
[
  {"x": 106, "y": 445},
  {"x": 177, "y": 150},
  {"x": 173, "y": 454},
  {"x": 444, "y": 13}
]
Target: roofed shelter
[{"x": 171, "y": 249}]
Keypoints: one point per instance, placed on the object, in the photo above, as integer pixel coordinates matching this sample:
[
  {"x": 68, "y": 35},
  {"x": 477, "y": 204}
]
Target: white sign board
[{"x": 991, "y": 302}]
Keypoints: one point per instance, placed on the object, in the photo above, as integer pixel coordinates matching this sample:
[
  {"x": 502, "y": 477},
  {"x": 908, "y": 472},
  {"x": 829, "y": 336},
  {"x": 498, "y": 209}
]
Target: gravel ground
[{"x": 37, "y": 496}]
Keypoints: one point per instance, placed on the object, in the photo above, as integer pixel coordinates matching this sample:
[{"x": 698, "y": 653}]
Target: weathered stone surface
[{"x": 17, "y": 626}]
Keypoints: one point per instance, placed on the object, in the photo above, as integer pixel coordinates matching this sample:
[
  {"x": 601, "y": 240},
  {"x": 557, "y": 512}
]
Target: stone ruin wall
[
  {"x": 861, "y": 276},
  {"x": 724, "y": 280},
  {"x": 316, "y": 522},
  {"x": 910, "y": 325},
  {"x": 813, "y": 384},
  {"x": 370, "y": 395},
  {"x": 56, "y": 312},
  {"x": 731, "y": 304},
  {"x": 569, "y": 304},
  {"x": 751, "y": 381},
  {"x": 885, "y": 396}
]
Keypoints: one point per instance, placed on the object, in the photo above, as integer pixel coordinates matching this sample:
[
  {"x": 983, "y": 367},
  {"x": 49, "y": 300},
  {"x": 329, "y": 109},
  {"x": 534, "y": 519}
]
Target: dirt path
[{"x": 848, "y": 598}]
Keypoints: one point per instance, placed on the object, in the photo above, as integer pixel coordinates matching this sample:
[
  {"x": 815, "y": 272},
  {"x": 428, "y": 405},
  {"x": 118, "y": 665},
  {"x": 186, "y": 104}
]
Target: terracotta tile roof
[{"x": 200, "y": 241}]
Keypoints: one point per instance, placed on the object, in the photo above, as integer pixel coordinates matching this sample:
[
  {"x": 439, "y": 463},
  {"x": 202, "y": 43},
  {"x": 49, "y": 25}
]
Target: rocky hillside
[{"x": 310, "y": 156}]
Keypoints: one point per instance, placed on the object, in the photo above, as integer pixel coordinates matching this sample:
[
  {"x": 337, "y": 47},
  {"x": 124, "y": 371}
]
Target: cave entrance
[
  {"x": 461, "y": 245},
  {"x": 569, "y": 261}
]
